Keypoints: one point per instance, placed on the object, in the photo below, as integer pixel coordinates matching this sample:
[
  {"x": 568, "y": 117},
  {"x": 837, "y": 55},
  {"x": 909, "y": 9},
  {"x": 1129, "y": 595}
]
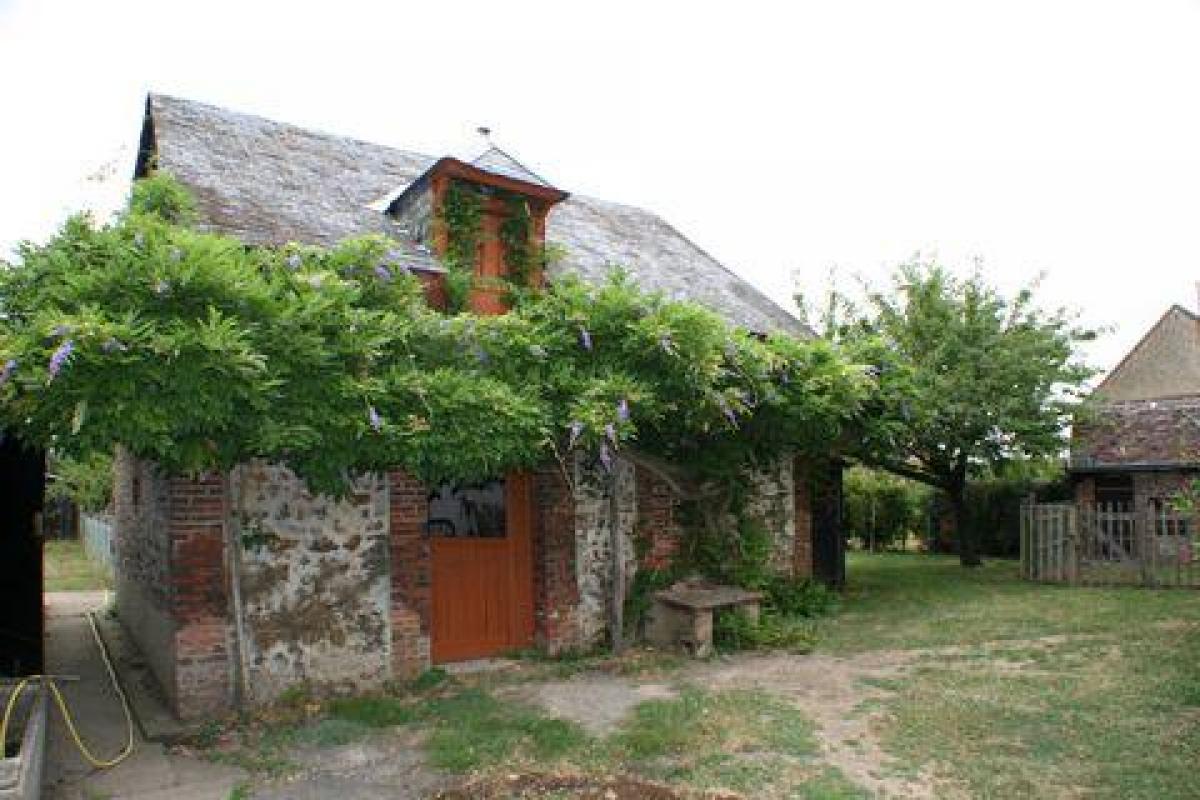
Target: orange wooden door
[{"x": 483, "y": 586}]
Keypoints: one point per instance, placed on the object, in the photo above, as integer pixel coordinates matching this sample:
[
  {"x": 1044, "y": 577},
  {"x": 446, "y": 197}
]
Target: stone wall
[
  {"x": 802, "y": 506},
  {"x": 142, "y": 563},
  {"x": 771, "y": 504},
  {"x": 315, "y": 582},
  {"x": 593, "y": 542}
]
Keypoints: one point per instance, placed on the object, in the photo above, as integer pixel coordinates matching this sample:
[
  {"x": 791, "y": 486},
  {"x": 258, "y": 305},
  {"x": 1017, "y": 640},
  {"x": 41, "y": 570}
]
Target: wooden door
[{"x": 482, "y": 576}]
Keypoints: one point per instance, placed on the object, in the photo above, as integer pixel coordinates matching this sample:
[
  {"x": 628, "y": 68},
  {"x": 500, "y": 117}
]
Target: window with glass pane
[{"x": 467, "y": 510}]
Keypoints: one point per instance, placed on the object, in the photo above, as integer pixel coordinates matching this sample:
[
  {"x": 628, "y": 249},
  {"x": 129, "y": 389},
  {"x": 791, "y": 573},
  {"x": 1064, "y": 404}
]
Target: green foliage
[
  {"x": 733, "y": 631},
  {"x": 790, "y": 597},
  {"x": 521, "y": 252},
  {"x": 160, "y": 195},
  {"x": 882, "y": 509},
  {"x": 992, "y": 503},
  {"x": 461, "y": 217},
  {"x": 966, "y": 376},
  {"x": 198, "y": 353},
  {"x": 86, "y": 482}
]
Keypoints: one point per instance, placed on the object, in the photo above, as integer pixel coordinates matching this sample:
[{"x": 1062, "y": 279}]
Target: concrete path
[{"x": 150, "y": 773}]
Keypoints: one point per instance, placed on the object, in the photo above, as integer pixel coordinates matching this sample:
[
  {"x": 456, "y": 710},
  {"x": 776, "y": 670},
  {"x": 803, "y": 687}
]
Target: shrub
[{"x": 882, "y": 509}]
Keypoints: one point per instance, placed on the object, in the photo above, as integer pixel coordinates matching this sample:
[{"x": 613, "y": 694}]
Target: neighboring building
[
  {"x": 346, "y": 595},
  {"x": 1139, "y": 443}
]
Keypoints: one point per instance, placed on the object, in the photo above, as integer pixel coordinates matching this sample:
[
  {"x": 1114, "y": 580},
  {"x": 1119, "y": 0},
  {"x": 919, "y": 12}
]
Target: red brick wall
[
  {"x": 197, "y": 516},
  {"x": 411, "y": 570},
  {"x": 657, "y": 520},
  {"x": 556, "y": 589},
  {"x": 802, "y": 555}
]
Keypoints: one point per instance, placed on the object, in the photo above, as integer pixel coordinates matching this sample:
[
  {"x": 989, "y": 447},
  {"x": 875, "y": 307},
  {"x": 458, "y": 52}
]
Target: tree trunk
[{"x": 968, "y": 547}]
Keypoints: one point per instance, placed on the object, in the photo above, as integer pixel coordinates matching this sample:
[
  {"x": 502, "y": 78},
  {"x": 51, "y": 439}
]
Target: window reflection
[{"x": 467, "y": 510}]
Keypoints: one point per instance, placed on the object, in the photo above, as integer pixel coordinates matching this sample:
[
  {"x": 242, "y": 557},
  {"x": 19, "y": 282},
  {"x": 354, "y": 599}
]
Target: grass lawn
[
  {"x": 1107, "y": 704},
  {"x": 991, "y": 687},
  {"x": 68, "y": 569}
]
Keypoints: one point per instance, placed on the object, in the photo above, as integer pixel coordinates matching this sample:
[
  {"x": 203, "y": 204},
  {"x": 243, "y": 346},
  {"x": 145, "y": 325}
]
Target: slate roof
[
  {"x": 498, "y": 162},
  {"x": 267, "y": 182},
  {"x": 1139, "y": 434}
]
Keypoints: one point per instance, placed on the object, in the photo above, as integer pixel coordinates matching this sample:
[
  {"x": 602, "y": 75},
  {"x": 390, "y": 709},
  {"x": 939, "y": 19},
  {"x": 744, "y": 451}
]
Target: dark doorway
[
  {"x": 22, "y": 482},
  {"x": 829, "y": 538}
]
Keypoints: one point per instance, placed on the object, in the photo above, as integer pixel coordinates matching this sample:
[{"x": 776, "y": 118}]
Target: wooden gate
[
  {"x": 1108, "y": 545},
  {"x": 483, "y": 579}
]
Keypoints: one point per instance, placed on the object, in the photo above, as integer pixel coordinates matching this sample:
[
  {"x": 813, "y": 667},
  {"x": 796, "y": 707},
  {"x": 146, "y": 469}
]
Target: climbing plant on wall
[{"x": 199, "y": 353}]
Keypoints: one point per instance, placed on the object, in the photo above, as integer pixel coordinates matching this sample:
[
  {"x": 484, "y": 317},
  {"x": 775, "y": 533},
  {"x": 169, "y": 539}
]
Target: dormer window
[{"x": 486, "y": 220}]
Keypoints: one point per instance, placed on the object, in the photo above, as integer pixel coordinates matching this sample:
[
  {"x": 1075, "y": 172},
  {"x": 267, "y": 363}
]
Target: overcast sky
[{"x": 785, "y": 138}]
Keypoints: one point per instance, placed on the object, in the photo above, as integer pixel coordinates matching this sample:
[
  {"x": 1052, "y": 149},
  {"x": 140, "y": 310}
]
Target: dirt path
[{"x": 836, "y": 694}]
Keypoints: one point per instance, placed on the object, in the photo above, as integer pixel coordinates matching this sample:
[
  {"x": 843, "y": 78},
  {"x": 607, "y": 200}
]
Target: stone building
[
  {"x": 239, "y": 585},
  {"x": 1139, "y": 443}
]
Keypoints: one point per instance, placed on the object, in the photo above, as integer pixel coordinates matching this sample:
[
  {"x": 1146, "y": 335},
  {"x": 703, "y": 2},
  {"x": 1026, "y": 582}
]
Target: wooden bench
[{"x": 682, "y": 616}]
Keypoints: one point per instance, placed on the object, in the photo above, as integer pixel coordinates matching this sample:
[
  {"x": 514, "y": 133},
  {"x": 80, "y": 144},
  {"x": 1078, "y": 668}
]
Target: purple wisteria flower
[
  {"x": 60, "y": 357},
  {"x": 481, "y": 356},
  {"x": 294, "y": 261},
  {"x": 585, "y": 339},
  {"x": 606, "y": 457},
  {"x": 374, "y": 418},
  {"x": 112, "y": 345},
  {"x": 576, "y": 429},
  {"x": 10, "y": 367},
  {"x": 623, "y": 410},
  {"x": 58, "y": 331},
  {"x": 610, "y": 431},
  {"x": 383, "y": 273}
]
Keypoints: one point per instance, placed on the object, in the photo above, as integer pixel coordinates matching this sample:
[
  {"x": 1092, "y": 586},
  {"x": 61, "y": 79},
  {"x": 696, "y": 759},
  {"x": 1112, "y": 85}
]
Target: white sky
[{"x": 785, "y": 138}]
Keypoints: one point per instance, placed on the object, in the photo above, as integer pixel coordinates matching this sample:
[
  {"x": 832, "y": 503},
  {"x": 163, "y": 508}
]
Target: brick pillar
[
  {"x": 412, "y": 566},
  {"x": 802, "y": 554},
  {"x": 204, "y": 655},
  {"x": 657, "y": 520},
  {"x": 556, "y": 587}
]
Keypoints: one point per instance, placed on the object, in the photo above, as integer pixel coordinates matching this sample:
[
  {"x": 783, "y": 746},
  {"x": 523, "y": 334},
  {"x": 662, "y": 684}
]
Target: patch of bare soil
[
  {"x": 597, "y": 702},
  {"x": 837, "y": 694},
  {"x": 579, "y": 787}
]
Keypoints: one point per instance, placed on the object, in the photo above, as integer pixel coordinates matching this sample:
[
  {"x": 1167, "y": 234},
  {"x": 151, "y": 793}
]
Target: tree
[{"x": 966, "y": 377}]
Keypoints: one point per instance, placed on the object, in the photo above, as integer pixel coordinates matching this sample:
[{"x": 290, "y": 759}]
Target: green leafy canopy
[{"x": 198, "y": 352}]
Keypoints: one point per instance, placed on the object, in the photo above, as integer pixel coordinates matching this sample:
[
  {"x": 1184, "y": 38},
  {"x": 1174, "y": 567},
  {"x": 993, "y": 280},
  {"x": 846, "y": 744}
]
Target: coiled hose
[{"x": 49, "y": 682}]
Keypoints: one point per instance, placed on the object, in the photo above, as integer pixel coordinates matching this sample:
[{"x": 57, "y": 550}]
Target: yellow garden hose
[{"x": 49, "y": 682}]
